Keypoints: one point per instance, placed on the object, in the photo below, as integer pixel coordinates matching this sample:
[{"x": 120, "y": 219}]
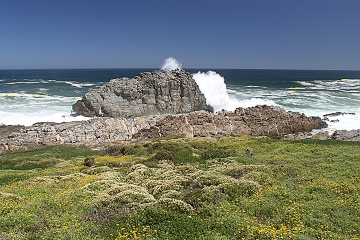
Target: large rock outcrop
[
  {"x": 255, "y": 121},
  {"x": 150, "y": 93}
]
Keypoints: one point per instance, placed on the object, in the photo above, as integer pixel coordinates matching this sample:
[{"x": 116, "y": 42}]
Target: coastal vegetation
[{"x": 230, "y": 187}]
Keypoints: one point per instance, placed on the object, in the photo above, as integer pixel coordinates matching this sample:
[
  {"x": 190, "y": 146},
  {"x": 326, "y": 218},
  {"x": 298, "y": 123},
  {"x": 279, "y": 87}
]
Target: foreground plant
[{"x": 200, "y": 188}]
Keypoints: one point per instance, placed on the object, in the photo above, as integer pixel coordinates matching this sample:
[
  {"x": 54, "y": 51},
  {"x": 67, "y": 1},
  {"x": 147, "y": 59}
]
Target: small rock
[
  {"x": 89, "y": 161},
  {"x": 322, "y": 135},
  {"x": 248, "y": 152}
]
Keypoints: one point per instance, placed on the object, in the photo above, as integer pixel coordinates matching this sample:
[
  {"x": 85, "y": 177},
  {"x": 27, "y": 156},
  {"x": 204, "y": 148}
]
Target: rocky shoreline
[
  {"x": 159, "y": 104},
  {"x": 263, "y": 120},
  {"x": 254, "y": 121}
]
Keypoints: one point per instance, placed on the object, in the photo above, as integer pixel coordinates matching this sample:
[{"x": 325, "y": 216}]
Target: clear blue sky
[{"x": 275, "y": 34}]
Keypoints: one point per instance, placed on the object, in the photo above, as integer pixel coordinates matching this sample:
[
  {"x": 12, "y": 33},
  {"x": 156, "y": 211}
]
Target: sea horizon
[{"x": 184, "y": 68}]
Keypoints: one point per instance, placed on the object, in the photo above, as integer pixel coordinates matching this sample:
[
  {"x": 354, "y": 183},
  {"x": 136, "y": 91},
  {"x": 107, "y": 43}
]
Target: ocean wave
[
  {"x": 14, "y": 83},
  {"x": 347, "y": 86},
  {"x": 50, "y": 81},
  {"x": 80, "y": 85},
  {"x": 28, "y": 119},
  {"x": 305, "y": 83},
  {"x": 252, "y": 102},
  {"x": 255, "y": 86},
  {"x": 37, "y": 97},
  {"x": 345, "y": 121},
  {"x": 21, "y": 95}
]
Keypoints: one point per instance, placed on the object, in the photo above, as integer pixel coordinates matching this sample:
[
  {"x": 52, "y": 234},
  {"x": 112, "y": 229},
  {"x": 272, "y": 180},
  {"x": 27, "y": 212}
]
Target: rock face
[
  {"x": 90, "y": 132},
  {"x": 7, "y": 129},
  {"x": 255, "y": 121},
  {"x": 351, "y": 135},
  {"x": 150, "y": 93}
]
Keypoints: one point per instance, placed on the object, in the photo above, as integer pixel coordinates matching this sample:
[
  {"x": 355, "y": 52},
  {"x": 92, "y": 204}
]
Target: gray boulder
[
  {"x": 150, "y": 93},
  {"x": 347, "y": 135}
]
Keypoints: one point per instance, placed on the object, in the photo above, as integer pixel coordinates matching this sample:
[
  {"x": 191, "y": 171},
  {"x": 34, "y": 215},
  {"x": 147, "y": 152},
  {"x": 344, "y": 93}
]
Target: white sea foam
[
  {"x": 256, "y": 101},
  {"x": 344, "y": 122},
  {"x": 254, "y": 86},
  {"x": 79, "y": 85},
  {"x": 213, "y": 86},
  {"x": 27, "y": 101},
  {"x": 41, "y": 81},
  {"x": 36, "y": 97},
  {"x": 29, "y": 118},
  {"x": 26, "y": 109},
  {"x": 171, "y": 64},
  {"x": 21, "y": 95},
  {"x": 305, "y": 83},
  {"x": 73, "y": 83},
  {"x": 331, "y": 96}
]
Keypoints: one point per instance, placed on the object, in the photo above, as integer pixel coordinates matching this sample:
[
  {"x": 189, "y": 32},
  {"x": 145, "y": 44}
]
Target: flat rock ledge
[{"x": 255, "y": 121}]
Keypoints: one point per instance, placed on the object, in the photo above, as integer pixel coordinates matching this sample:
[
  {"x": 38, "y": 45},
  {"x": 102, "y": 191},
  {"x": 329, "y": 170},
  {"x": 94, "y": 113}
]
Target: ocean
[{"x": 30, "y": 96}]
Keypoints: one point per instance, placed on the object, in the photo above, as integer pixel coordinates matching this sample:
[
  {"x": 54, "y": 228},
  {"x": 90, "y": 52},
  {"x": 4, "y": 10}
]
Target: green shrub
[
  {"x": 243, "y": 188},
  {"x": 286, "y": 190},
  {"x": 177, "y": 152},
  {"x": 121, "y": 150},
  {"x": 163, "y": 155},
  {"x": 212, "y": 153},
  {"x": 89, "y": 161},
  {"x": 185, "y": 156},
  {"x": 165, "y": 146},
  {"x": 169, "y": 224}
]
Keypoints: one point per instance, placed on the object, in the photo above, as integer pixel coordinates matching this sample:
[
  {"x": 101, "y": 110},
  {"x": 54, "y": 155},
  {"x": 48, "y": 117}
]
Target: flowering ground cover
[{"x": 181, "y": 188}]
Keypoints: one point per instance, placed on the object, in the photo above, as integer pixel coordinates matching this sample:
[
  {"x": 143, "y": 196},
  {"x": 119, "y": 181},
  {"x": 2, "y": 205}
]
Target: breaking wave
[{"x": 213, "y": 86}]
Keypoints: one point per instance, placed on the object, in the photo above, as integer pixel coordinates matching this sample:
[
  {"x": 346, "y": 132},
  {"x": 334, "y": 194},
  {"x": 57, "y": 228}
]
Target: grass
[{"x": 180, "y": 188}]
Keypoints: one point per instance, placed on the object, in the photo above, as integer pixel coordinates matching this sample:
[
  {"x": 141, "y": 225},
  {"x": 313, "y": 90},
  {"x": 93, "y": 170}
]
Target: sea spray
[
  {"x": 171, "y": 64},
  {"x": 213, "y": 86}
]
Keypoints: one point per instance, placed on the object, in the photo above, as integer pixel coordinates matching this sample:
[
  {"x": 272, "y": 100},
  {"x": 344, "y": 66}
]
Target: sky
[{"x": 242, "y": 34}]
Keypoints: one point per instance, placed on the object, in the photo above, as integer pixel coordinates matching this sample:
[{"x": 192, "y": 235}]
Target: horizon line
[{"x": 185, "y": 68}]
